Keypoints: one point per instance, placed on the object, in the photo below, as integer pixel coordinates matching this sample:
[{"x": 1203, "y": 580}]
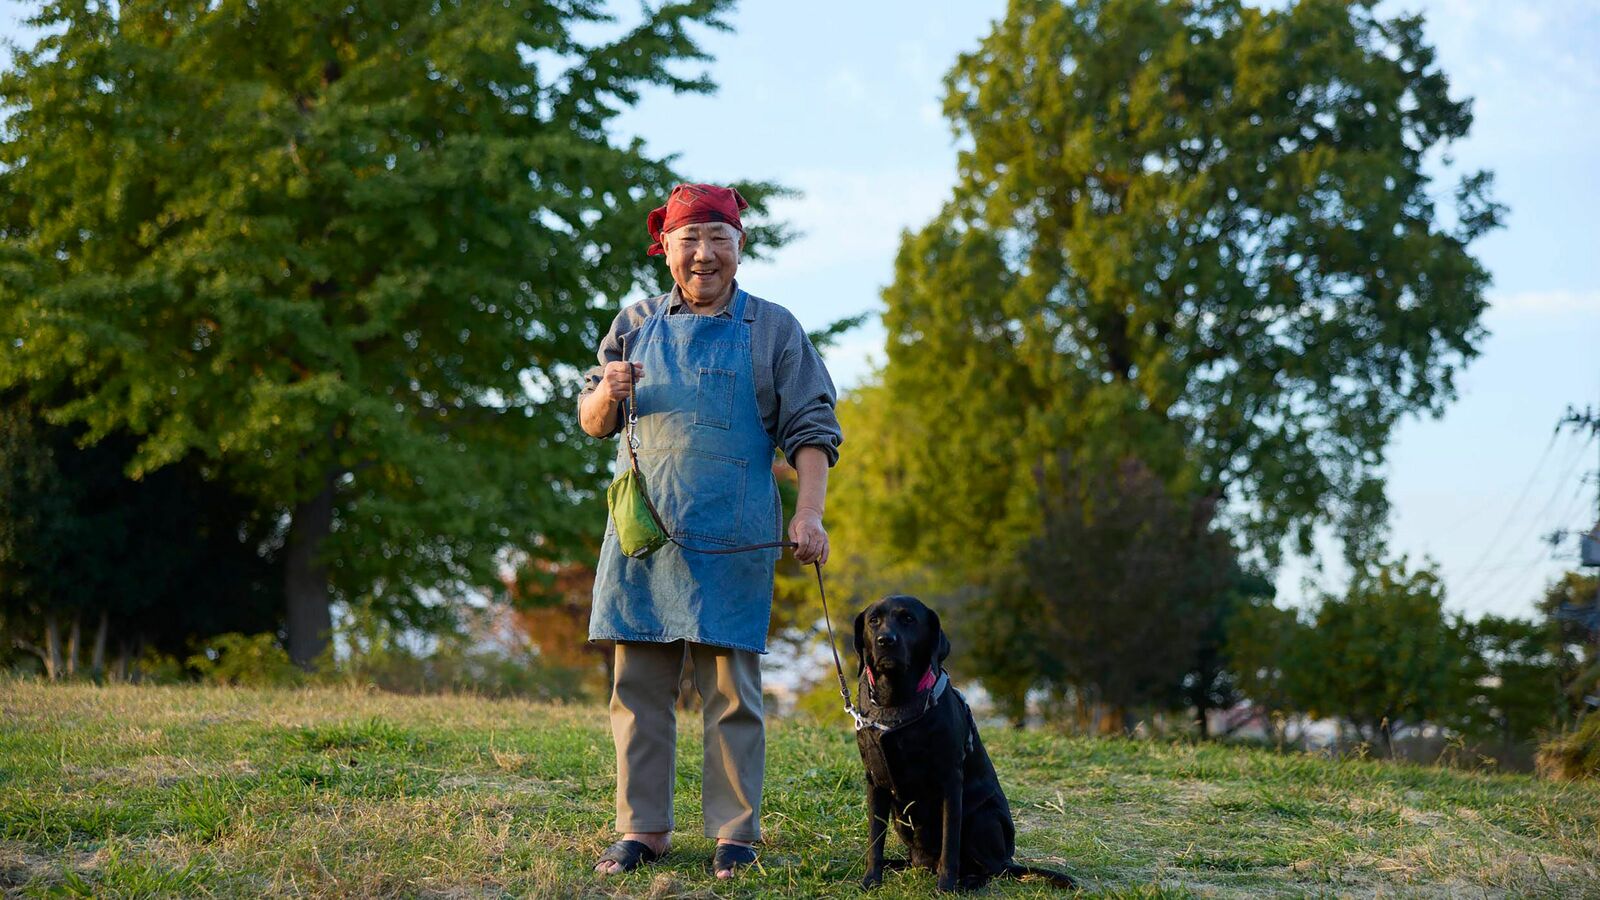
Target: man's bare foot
[
  {"x": 657, "y": 841},
  {"x": 728, "y": 873}
]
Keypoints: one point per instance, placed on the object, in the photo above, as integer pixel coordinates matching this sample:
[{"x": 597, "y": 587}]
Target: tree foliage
[
  {"x": 1515, "y": 673},
  {"x": 1129, "y": 580},
  {"x": 154, "y": 563},
  {"x": 1571, "y": 605},
  {"x": 1192, "y": 234},
  {"x": 1260, "y": 646},
  {"x": 1384, "y": 654},
  {"x": 345, "y": 259},
  {"x": 1198, "y": 234},
  {"x": 1219, "y": 218}
]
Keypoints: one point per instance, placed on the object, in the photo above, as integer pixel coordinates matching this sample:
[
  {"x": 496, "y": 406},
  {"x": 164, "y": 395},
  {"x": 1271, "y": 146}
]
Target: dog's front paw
[
  {"x": 947, "y": 883},
  {"x": 872, "y": 879}
]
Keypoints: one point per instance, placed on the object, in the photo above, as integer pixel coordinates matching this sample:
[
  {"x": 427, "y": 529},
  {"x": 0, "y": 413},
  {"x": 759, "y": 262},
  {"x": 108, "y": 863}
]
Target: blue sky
[{"x": 841, "y": 101}]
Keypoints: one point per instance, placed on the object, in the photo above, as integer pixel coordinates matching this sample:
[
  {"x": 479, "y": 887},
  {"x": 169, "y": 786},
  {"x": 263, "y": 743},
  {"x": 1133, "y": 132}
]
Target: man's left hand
[{"x": 806, "y": 530}]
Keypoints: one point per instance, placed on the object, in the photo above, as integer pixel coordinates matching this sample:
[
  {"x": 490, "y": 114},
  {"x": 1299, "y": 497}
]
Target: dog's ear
[
  {"x": 861, "y": 642},
  {"x": 943, "y": 652}
]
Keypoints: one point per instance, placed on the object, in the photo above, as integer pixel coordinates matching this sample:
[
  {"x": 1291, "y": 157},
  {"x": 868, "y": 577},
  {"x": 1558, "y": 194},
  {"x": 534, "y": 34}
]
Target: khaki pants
[{"x": 644, "y": 697}]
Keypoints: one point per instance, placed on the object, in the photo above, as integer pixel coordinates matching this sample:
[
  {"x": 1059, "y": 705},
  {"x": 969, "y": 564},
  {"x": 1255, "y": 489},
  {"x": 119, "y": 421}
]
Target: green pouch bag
[{"x": 639, "y": 532}]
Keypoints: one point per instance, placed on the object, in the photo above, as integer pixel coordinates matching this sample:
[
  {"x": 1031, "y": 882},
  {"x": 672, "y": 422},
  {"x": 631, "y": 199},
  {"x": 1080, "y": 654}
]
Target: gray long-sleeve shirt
[{"x": 794, "y": 393}]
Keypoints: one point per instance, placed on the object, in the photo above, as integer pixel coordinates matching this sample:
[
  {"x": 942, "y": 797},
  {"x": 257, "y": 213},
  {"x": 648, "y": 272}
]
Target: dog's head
[{"x": 899, "y": 633}]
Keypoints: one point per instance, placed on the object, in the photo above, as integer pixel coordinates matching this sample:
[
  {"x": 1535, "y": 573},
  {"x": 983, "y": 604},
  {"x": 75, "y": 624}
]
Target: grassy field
[{"x": 197, "y": 791}]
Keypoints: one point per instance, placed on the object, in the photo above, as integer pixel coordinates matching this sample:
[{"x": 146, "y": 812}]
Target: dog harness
[{"x": 890, "y": 736}]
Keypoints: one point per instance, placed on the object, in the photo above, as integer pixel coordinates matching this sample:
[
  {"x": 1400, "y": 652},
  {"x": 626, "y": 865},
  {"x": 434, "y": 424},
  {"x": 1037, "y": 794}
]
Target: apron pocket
[
  {"x": 700, "y": 495},
  {"x": 713, "y": 400}
]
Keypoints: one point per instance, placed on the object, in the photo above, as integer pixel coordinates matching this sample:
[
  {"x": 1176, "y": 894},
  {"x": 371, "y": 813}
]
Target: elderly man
[{"x": 721, "y": 378}]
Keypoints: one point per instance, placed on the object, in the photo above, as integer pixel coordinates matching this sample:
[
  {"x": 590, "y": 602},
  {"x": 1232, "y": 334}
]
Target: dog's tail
[{"x": 1059, "y": 879}]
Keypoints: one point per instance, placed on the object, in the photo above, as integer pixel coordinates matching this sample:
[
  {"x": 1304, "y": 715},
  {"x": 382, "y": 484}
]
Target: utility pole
[
  {"x": 1588, "y": 548},
  {"x": 1588, "y": 543}
]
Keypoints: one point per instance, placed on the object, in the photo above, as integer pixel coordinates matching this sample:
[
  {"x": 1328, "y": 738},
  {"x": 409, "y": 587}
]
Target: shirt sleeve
[
  {"x": 610, "y": 351},
  {"x": 806, "y": 397}
]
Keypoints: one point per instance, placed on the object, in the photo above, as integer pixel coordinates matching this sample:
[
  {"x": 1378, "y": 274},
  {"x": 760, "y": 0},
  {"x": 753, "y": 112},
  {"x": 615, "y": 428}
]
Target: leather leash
[{"x": 631, "y": 439}]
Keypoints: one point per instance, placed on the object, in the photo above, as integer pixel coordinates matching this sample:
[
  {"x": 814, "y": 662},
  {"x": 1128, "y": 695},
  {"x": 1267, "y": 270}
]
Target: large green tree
[
  {"x": 1201, "y": 234},
  {"x": 345, "y": 257},
  {"x": 1204, "y": 236}
]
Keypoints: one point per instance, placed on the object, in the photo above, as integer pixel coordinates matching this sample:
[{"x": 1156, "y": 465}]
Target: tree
[
  {"x": 1213, "y": 681},
  {"x": 346, "y": 260},
  {"x": 1383, "y": 654},
  {"x": 1517, "y": 680},
  {"x": 155, "y": 563},
  {"x": 1571, "y": 605},
  {"x": 1262, "y": 639},
  {"x": 1199, "y": 235},
  {"x": 1131, "y": 580},
  {"x": 1218, "y": 220}
]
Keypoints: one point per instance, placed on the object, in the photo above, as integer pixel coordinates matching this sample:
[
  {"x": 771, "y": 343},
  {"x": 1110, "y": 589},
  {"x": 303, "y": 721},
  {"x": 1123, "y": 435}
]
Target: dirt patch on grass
[
  {"x": 20, "y": 867},
  {"x": 498, "y": 784},
  {"x": 1410, "y": 815},
  {"x": 161, "y": 771}
]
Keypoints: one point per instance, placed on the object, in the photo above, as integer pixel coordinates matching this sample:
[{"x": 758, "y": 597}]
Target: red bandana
[{"x": 691, "y": 203}]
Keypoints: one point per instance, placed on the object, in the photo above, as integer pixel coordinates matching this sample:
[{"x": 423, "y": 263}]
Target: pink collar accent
[{"x": 927, "y": 682}]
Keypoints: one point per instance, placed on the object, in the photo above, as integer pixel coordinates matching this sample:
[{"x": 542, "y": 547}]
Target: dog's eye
[
  {"x": 906, "y": 618},
  {"x": 874, "y": 619}
]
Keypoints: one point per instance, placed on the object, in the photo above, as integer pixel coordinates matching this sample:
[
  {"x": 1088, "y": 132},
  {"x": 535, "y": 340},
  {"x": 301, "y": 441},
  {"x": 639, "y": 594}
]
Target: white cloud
[{"x": 1547, "y": 303}]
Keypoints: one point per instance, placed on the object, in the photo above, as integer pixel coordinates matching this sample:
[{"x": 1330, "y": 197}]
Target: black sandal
[
  {"x": 731, "y": 857},
  {"x": 629, "y": 855}
]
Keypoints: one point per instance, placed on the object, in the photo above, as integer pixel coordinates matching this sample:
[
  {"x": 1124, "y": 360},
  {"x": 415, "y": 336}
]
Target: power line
[
  {"x": 1488, "y": 590},
  {"x": 1517, "y": 504}
]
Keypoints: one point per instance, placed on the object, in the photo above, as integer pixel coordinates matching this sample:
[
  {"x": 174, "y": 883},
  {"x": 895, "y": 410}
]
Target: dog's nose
[{"x": 886, "y": 640}]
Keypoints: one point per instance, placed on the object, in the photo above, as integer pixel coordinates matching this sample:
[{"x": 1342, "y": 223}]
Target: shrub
[
  {"x": 1574, "y": 754},
  {"x": 253, "y": 660}
]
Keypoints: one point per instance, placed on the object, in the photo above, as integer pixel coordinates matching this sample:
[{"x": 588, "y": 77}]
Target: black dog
[{"x": 926, "y": 766}]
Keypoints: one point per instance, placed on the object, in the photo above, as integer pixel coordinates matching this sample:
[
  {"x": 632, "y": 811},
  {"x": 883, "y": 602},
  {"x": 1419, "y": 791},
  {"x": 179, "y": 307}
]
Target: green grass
[{"x": 127, "y": 791}]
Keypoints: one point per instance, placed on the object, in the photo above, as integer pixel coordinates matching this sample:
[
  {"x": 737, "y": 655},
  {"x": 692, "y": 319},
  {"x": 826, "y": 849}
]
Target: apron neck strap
[{"x": 736, "y": 303}]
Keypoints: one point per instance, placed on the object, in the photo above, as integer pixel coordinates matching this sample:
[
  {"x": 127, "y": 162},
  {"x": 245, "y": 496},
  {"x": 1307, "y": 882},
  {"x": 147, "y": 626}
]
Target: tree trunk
[
  {"x": 138, "y": 654},
  {"x": 72, "y": 644},
  {"x": 97, "y": 664},
  {"x": 52, "y": 648},
  {"x": 120, "y": 668},
  {"x": 1109, "y": 719},
  {"x": 306, "y": 580}
]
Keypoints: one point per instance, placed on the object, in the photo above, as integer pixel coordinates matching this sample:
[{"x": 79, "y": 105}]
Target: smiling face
[{"x": 703, "y": 258}]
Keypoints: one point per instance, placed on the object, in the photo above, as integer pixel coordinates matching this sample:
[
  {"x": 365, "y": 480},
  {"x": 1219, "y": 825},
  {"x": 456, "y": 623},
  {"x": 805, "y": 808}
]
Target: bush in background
[
  {"x": 1574, "y": 754},
  {"x": 253, "y": 660}
]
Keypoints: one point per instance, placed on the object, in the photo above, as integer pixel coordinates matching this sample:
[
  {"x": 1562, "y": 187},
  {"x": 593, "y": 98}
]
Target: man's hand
[
  {"x": 598, "y": 414},
  {"x": 614, "y": 379},
  {"x": 806, "y": 530}
]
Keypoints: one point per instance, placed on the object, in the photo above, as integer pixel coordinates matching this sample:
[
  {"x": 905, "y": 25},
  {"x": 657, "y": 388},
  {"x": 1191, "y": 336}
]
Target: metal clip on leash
[{"x": 630, "y": 422}]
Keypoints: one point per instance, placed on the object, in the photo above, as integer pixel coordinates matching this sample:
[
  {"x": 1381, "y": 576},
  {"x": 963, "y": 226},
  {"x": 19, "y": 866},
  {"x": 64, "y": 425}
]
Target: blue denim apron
[{"x": 707, "y": 462}]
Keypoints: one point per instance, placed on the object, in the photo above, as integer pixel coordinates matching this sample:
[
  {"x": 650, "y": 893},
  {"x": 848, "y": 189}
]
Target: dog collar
[
  {"x": 888, "y": 718},
  {"x": 927, "y": 681}
]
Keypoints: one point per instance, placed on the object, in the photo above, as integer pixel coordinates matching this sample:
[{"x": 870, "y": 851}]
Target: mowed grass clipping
[{"x": 127, "y": 791}]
